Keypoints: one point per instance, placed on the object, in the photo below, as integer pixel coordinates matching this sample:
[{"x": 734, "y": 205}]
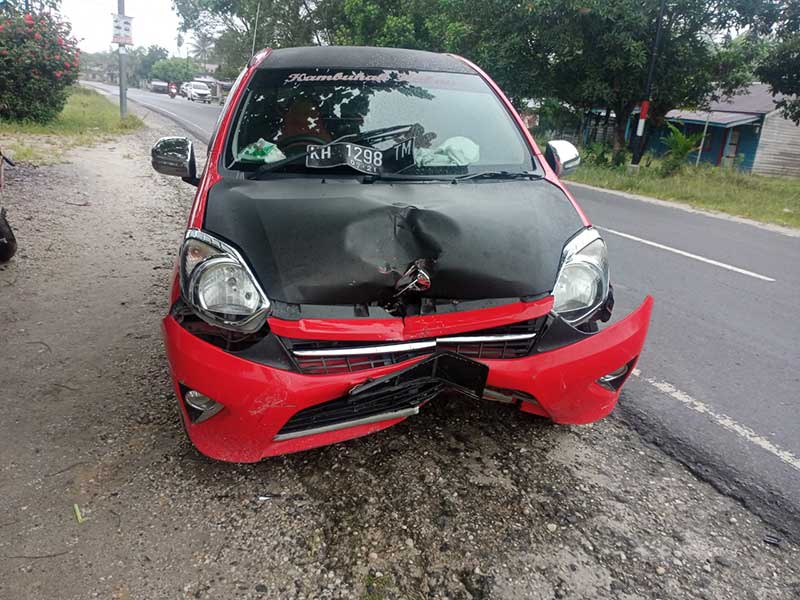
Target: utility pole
[
  {"x": 123, "y": 73},
  {"x": 638, "y": 145}
]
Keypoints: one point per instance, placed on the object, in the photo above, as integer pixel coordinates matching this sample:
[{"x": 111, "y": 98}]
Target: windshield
[
  {"x": 456, "y": 122},
  {"x": 200, "y": 86}
]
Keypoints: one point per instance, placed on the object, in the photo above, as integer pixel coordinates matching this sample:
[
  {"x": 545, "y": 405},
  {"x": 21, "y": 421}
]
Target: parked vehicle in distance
[
  {"x": 159, "y": 87},
  {"x": 197, "y": 91},
  {"x": 375, "y": 227},
  {"x": 182, "y": 89}
]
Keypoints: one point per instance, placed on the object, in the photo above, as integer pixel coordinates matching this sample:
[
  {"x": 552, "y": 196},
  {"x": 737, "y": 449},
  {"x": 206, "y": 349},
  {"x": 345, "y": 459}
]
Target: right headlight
[
  {"x": 582, "y": 284},
  {"x": 218, "y": 285}
]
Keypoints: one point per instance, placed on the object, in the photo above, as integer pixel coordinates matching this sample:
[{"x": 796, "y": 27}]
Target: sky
[{"x": 154, "y": 22}]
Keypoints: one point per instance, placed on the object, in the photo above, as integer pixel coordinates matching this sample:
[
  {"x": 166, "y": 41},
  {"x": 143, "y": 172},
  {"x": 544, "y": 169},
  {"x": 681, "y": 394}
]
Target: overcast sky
[{"x": 154, "y": 22}]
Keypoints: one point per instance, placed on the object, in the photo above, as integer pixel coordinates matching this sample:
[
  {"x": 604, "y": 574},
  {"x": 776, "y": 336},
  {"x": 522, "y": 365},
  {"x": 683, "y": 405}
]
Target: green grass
[
  {"x": 768, "y": 199},
  {"x": 88, "y": 117}
]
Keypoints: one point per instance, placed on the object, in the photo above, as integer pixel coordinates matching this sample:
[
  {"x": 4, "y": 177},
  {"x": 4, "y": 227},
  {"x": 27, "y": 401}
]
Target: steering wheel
[{"x": 304, "y": 139}]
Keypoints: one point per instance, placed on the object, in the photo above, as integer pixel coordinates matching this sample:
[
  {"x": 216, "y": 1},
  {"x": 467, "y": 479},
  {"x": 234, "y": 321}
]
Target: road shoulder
[{"x": 787, "y": 231}]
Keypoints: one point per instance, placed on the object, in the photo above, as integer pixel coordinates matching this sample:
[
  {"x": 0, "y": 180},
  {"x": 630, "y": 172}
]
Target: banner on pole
[{"x": 122, "y": 30}]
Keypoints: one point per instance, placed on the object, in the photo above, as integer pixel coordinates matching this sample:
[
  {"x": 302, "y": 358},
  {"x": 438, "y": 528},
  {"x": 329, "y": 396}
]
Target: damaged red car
[{"x": 375, "y": 227}]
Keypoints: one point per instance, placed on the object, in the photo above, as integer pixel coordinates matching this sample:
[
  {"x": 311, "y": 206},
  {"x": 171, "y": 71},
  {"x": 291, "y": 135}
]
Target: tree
[
  {"x": 781, "y": 67},
  {"x": 150, "y": 57},
  {"x": 781, "y": 70},
  {"x": 381, "y": 23},
  {"x": 38, "y": 63},
  {"x": 35, "y": 6},
  {"x": 595, "y": 53},
  {"x": 178, "y": 70},
  {"x": 202, "y": 46},
  {"x": 281, "y": 23}
]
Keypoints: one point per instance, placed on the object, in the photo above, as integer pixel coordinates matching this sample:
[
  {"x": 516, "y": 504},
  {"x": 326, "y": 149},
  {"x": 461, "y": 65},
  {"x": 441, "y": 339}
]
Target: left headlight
[
  {"x": 217, "y": 283},
  {"x": 582, "y": 284}
]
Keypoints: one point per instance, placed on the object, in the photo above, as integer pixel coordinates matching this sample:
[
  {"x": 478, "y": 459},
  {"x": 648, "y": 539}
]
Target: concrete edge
[{"x": 781, "y": 229}]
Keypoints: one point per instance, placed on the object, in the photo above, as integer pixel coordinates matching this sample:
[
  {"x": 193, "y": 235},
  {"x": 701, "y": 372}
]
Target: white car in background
[{"x": 198, "y": 91}]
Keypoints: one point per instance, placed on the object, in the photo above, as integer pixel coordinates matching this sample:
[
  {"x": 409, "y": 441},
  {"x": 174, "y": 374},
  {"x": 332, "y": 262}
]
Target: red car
[{"x": 375, "y": 227}]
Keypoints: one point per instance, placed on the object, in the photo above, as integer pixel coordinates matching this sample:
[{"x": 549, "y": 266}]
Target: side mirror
[
  {"x": 562, "y": 157},
  {"x": 175, "y": 156}
]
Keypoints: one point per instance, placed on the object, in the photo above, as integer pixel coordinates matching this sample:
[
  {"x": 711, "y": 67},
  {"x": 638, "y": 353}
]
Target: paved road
[
  {"x": 197, "y": 117},
  {"x": 718, "y": 383}
]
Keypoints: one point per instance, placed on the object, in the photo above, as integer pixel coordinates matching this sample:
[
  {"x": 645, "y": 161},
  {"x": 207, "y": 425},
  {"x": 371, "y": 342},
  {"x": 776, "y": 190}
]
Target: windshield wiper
[
  {"x": 371, "y": 135},
  {"x": 532, "y": 175}
]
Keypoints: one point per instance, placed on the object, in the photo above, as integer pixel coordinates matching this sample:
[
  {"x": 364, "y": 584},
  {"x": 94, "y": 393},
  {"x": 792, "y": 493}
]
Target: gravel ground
[{"x": 467, "y": 500}]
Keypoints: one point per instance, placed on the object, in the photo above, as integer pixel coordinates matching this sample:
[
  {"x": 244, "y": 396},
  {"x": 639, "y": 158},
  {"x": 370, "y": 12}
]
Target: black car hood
[{"x": 348, "y": 243}]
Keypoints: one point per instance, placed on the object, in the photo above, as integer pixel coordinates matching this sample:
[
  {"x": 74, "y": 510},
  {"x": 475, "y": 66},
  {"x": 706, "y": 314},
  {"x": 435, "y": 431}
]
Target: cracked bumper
[{"x": 259, "y": 399}]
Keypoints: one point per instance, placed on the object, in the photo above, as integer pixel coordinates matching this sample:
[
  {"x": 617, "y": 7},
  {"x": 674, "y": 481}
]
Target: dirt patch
[{"x": 466, "y": 500}]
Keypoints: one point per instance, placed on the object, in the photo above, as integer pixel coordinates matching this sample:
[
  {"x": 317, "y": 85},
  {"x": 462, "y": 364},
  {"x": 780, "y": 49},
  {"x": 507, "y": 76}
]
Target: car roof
[{"x": 363, "y": 57}]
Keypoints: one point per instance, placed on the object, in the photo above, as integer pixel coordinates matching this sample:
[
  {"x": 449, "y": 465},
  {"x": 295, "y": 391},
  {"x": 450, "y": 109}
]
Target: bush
[
  {"x": 38, "y": 63},
  {"x": 679, "y": 146}
]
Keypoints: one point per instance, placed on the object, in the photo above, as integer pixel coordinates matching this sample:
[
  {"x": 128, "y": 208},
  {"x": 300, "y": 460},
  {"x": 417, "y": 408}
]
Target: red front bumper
[{"x": 259, "y": 399}]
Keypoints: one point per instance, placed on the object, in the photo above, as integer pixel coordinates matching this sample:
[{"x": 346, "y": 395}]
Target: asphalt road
[{"x": 718, "y": 383}]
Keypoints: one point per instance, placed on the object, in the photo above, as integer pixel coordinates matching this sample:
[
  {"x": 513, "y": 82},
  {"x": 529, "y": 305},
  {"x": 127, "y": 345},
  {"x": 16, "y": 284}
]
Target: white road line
[
  {"x": 709, "y": 261},
  {"x": 723, "y": 420}
]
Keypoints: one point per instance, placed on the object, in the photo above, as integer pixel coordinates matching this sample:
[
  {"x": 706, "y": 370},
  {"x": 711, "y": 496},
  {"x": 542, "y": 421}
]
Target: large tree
[
  {"x": 781, "y": 68},
  {"x": 596, "y": 53},
  {"x": 149, "y": 57},
  {"x": 245, "y": 24}
]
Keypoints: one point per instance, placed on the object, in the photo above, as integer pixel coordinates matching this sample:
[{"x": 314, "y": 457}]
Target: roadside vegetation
[
  {"x": 87, "y": 118},
  {"x": 726, "y": 189}
]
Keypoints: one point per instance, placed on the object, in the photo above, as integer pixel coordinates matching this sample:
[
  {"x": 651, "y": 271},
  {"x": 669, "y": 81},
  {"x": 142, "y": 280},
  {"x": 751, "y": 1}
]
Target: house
[{"x": 745, "y": 131}]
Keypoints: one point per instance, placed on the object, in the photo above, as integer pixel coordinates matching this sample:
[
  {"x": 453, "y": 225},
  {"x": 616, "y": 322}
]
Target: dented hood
[{"x": 344, "y": 242}]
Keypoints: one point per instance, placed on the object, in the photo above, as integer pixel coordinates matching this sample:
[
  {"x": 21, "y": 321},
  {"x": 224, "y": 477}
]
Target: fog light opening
[
  {"x": 199, "y": 406},
  {"x": 613, "y": 381}
]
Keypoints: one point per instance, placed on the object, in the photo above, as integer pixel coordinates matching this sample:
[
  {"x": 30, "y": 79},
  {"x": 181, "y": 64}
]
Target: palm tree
[{"x": 201, "y": 46}]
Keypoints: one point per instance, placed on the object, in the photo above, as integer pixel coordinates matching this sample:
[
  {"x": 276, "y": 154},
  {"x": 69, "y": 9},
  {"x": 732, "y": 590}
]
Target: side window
[{"x": 231, "y": 94}]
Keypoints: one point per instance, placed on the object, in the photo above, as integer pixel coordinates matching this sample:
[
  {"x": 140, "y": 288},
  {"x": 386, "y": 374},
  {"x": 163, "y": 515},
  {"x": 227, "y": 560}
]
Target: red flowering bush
[{"x": 38, "y": 63}]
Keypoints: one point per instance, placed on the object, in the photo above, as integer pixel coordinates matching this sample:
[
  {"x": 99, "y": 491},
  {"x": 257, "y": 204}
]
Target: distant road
[
  {"x": 719, "y": 381},
  {"x": 196, "y": 117}
]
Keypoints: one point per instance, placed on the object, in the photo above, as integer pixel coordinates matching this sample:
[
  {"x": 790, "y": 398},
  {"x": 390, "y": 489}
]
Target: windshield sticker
[
  {"x": 362, "y": 158},
  {"x": 340, "y": 76}
]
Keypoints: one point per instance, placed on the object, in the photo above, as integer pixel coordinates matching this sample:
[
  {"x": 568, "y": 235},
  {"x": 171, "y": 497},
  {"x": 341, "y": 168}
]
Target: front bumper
[{"x": 259, "y": 400}]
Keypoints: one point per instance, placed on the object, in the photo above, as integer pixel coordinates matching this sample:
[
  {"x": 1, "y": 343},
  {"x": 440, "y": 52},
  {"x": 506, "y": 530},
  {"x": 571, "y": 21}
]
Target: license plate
[
  {"x": 362, "y": 158},
  {"x": 456, "y": 372}
]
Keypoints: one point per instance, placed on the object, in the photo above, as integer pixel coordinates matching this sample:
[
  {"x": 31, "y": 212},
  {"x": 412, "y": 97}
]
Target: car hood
[{"x": 341, "y": 242}]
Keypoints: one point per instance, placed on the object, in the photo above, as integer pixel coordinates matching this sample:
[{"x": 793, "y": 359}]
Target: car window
[{"x": 459, "y": 124}]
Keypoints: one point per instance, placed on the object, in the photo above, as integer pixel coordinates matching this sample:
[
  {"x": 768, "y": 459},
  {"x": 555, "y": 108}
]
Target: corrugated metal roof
[
  {"x": 716, "y": 118},
  {"x": 756, "y": 100}
]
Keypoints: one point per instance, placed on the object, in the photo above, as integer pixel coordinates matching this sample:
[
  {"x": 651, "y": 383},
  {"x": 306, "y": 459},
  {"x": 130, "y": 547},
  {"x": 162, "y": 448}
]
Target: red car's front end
[{"x": 342, "y": 333}]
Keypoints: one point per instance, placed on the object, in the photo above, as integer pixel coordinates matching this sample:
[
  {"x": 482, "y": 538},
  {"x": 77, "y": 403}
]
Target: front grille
[
  {"x": 332, "y": 365},
  {"x": 382, "y": 402},
  {"x": 323, "y": 357},
  {"x": 491, "y": 350}
]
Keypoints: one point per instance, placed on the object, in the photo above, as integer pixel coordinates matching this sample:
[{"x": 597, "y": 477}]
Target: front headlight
[
  {"x": 582, "y": 284},
  {"x": 218, "y": 285}
]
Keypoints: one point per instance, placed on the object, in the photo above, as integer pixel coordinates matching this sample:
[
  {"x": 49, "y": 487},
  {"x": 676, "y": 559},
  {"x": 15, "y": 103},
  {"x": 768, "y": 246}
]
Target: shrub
[
  {"x": 679, "y": 146},
  {"x": 38, "y": 63}
]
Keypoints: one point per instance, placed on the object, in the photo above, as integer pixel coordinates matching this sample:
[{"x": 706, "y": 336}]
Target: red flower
[
  {"x": 28, "y": 19},
  {"x": 37, "y": 36},
  {"x": 67, "y": 64},
  {"x": 58, "y": 74}
]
